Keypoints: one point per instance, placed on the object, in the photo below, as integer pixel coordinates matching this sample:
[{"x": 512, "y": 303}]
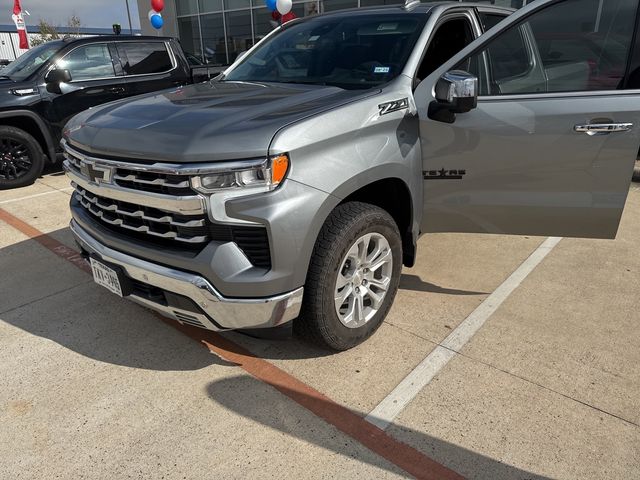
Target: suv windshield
[
  {"x": 29, "y": 62},
  {"x": 355, "y": 51}
]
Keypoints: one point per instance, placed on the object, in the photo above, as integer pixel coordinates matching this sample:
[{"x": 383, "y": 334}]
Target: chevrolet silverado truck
[
  {"x": 291, "y": 190},
  {"x": 42, "y": 89}
]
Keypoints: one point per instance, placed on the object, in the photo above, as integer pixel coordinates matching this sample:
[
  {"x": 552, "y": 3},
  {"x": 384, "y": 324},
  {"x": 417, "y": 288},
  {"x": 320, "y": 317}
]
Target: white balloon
[
  {"x": 152, "y": 12},
  {"x": 284, "y": 6}
]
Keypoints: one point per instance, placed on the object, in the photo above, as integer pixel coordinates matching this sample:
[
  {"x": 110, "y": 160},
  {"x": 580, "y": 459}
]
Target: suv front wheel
[
  {"x": 353, "y": 277},
  {"x": 21, "y": 158}
]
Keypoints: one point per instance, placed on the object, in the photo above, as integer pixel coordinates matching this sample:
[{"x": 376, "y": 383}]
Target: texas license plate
[{"x": 106, "y": 276}]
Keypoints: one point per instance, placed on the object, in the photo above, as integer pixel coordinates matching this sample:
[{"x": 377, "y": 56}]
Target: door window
[
  {"x": 450, "y": 37},
  {"x": 144, "y": 58},
  {"x": 575, "y": 45},
  {"x": 89, "y": 62},
  {"x": 490, "y": 20}
]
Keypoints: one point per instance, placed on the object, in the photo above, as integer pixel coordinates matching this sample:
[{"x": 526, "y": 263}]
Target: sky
[{"x": 92, "y": 13}]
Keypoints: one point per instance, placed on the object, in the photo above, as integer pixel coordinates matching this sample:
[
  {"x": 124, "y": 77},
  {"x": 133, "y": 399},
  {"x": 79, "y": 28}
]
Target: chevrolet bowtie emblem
[{"x": 95, "y": 173}]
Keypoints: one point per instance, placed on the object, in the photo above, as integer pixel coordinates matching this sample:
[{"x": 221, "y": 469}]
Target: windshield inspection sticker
[
  {"x": 384, "y": 27},
  {"x": 381, "y": 70}
]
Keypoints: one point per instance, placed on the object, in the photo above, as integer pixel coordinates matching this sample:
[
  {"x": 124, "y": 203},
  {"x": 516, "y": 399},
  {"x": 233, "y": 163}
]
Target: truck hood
[{"x": 207, "y": 122}]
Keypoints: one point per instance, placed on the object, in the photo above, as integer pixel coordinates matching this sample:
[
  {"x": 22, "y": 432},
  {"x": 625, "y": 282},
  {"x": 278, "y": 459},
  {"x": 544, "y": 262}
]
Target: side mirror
[
  {"x": 456, "y": 92},
  {"x": 57, "y": 76}
]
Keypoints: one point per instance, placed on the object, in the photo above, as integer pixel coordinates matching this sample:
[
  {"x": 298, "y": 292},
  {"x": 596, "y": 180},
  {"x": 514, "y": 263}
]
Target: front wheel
[
  {"x": 353, "y": 277},
  {"x": 21, "y": 158}
]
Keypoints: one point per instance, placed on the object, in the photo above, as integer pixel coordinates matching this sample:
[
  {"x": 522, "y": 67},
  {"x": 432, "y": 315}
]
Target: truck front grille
[
  {"x": 157, "y": 205},
  {"x": 150, "y": 221}
]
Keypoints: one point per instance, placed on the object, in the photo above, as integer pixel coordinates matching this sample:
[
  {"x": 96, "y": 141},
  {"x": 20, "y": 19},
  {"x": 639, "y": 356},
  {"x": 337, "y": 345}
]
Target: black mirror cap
[{"x": 58, "y": 75}]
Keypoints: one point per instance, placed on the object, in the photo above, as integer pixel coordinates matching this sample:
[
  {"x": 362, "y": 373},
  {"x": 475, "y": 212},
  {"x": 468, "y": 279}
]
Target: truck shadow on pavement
[
  {"x": 263, "y": 404},
  {"x": 415, "y": 283},
  {"x": 46, "y": 296}
]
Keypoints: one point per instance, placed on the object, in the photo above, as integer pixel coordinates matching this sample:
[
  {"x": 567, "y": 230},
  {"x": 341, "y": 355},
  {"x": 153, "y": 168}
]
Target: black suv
[{"x": 45, "y": 87}]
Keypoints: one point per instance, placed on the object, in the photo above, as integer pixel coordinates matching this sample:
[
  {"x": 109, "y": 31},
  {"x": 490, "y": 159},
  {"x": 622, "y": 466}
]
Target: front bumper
[{"x": 190, "y": 298}]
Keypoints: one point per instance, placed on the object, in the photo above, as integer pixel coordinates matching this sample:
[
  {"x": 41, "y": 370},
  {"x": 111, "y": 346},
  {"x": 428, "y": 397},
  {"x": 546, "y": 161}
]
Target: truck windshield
[
  {"x": 29, "y": 62},
  {"x": 351, "y": 52}
]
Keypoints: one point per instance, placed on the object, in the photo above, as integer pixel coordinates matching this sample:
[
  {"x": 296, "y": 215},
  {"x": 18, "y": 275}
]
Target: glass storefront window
[
  {"x": 207, "y": 6},
  {"x": 190, "y": 36},
  {"x": 373, "y": 3},
  {"x": 186, "y": 7},
  {"x": 262, "y": 22},
  {"x": 213, "y": 39},
  {"x": 236, "y": 4},
  {"x": 239, "y": 38},
  {"x": 333, "y": 5}
]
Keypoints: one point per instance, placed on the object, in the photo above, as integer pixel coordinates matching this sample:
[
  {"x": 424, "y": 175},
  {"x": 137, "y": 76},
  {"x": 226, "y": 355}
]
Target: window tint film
[
  {"x": 490, "y": 20},
  {"x": 449, "y": 38},
  {"x": 89, "y": 62},
  {"x": 144, "y": 58},
  {"x": 575, "y": 45}
]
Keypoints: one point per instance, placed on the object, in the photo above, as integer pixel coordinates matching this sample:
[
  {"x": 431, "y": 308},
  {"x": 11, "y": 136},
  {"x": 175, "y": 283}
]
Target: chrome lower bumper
[{"x": 220, "y": 313}]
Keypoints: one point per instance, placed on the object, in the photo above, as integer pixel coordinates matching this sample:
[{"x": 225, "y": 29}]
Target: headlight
[{"x": 261, "y": 175}]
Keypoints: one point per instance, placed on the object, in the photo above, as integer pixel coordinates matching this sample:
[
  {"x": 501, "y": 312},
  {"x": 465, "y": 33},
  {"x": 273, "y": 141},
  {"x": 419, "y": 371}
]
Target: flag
[{"x": 20, "y": 25}]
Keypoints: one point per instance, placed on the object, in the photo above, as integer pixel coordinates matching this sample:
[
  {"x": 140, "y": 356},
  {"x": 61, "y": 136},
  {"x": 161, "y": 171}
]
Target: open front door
[{"x": 550, "y": 147}]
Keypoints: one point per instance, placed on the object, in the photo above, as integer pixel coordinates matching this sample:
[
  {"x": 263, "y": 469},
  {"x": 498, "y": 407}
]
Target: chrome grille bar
[
  {"x": 162, "y": 182},
  {"x": 184, "y": 204},
  {"x": 112, "y": 207}
]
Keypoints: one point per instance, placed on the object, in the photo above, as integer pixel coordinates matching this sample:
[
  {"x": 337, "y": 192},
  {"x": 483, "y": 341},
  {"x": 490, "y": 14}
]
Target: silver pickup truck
[{"x": 292, "y": 189}]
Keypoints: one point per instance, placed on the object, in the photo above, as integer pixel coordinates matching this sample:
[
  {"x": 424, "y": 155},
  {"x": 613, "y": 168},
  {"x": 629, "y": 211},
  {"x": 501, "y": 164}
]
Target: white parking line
[
  {"x": 35, "y": 195},
  {"x": 406, "y": 391}
]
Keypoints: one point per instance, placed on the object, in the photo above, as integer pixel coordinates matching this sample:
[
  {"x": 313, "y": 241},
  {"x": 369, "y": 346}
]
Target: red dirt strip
[{"x": 400, "y": 454}]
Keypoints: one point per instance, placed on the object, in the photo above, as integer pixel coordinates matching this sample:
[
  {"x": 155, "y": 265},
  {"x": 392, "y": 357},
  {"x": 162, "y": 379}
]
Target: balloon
[
  {"x": 156, "y": 21},
  {"x": 284, "y": 6},
  {"x": 157, "y": 5},
  {"x": 152, "y": 13},
  {"x": 271, "y": 5}
]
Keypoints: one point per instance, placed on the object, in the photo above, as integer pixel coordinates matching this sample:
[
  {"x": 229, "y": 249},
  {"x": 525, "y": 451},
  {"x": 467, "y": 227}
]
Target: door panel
[
  {"x": 94, "y": 81},
  {"x": 526, "y": 171},
  {"x": 516, "y": 164}
]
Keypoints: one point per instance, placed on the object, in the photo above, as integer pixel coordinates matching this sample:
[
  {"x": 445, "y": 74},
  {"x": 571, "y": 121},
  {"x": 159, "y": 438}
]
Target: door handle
[
  {"x": 116, "y": 89},
  {"x": 603, "y": 128}
]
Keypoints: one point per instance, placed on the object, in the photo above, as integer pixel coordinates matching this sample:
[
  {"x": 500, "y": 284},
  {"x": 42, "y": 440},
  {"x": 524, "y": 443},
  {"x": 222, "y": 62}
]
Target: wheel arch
[
  {"x": 34, "y": 125},
  {"x": 393, "y": 195}
]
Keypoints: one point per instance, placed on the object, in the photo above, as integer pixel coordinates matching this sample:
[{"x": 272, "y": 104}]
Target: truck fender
[{"x": 44, "y": 131}]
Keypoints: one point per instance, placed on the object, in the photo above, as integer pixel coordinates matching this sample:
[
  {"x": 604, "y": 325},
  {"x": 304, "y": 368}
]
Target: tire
[
  {"x": 321, "y": 321},
  {"x": 21, "y": 158},
  {"x": 636, "y": 172}
]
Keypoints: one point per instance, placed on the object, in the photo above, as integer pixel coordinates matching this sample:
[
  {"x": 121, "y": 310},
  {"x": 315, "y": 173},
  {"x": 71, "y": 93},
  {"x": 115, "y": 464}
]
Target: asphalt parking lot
[{"x": 521, "y": 355}]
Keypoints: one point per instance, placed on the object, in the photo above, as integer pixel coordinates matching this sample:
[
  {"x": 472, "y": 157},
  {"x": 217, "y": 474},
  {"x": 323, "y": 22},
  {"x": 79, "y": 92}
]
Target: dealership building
[{"x": 216, "y": 31}]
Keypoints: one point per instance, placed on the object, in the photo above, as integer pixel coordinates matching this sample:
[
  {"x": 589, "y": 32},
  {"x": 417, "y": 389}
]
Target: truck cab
[{"x": 292, "y": 189}]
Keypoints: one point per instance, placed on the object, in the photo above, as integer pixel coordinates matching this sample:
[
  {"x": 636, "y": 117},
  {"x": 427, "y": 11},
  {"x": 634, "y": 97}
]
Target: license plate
[{"x": 106, "y": 277}]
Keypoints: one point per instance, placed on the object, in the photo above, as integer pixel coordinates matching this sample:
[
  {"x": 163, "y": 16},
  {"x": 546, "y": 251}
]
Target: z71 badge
[
  {"x": 394, "y": 106},
  {"x": 444, "y": 174}
]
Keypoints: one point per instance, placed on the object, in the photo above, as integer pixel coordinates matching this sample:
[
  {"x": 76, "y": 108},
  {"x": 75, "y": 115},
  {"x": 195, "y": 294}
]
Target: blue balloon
[
  {"x": 271, "y": 5},
  {"x": 157, "y": 21}
]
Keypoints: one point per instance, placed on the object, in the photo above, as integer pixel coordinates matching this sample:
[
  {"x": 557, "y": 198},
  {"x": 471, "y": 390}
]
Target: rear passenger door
[
  {"x": 550, "y": 147},
  {"x": 148, "y": 66}
]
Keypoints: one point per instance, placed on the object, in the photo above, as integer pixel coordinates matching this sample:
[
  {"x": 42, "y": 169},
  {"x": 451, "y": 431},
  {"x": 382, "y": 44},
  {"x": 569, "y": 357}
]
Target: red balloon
[{"x": 157, "y": 5}]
